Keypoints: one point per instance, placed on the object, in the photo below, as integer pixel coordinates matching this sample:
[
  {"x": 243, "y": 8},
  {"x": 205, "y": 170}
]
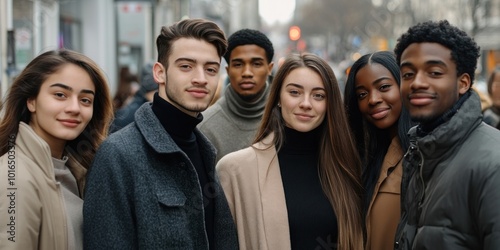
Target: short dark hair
[
  {"x": 464, "y": 50},
  {"x": 200, "y": 29},
  {"x": 249, "y": 37}
]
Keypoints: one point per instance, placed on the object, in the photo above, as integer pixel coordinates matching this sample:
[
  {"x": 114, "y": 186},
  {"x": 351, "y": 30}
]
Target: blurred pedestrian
[
  {"x": 453, "y": 162},
  {"x": 125, "y": 115},
  {"x": 379, "y": 123},
  {"x": 299, "y": 185},
  {"x": 127, "y": 86},
  {"x": 492, "y": 114},
  {"x": 152, "y": 184},
  {"x": 56, "y": 114},
  {"x": 231, "y": 123}
]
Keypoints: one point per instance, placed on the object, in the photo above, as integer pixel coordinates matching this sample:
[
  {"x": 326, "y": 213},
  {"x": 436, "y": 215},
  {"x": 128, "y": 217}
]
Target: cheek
[
  {"x": 363, "y": 106},
  {"x": 321, "y": 109},
  {"x": 88, "y": 113}
]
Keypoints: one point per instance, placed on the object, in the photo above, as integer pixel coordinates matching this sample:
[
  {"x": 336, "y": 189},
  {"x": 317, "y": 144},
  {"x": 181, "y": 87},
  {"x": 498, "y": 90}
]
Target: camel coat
[
  {"x": 384, "y": 211},
  {"x": 251, "y": 181}
]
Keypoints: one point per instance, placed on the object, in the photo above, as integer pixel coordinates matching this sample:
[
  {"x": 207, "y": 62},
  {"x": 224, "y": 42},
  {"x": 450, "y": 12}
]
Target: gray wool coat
[{"x": 143, "y": 192}]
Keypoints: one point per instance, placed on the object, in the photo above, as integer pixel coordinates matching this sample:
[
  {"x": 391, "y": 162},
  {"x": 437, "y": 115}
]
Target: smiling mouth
[
  {"x": 380, "y": 114},
  {"x": 70, "y": 123},
  {"x": 303, "y": 117}
]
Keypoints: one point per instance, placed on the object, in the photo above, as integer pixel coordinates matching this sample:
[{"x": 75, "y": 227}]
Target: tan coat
[
  {"x": 32, "y": 210},
  {"x": 252, "y": 183},
  {"x": 384, "y": 211}
]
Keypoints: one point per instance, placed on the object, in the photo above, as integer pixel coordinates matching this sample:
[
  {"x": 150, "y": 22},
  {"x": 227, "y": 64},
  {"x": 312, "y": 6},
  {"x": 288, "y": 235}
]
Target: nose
[
  {"x": 199, "y": 78},
  {"x": 374, "y": 98},
  {"x": 247, "y": 71},
  {"x": 73, "y": 105},
  {"x": 305, "y": 103},
  {"x": 419, "y": 82}
]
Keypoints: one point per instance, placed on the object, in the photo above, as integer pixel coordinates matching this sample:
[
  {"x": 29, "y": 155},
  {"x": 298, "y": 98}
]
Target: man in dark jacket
[
  {"x": 451, "y": 177},
  {"x": 152, "y": 184}
]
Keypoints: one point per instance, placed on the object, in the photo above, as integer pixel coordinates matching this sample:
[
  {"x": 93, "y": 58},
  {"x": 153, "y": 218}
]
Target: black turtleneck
[
  {"x": 311, "y": 218},
  {"x": 180, "y": 126}
]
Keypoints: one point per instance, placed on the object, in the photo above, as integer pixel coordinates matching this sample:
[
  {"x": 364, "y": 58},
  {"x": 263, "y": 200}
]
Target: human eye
[
  {"x": 185, "y": 67},
  {"x": 86, "y": 101},
  {"x": 212, "y": 70},
  {"x": 385, "y": 87},
  {"x": 258, "y": 64},
  {"x": 293, "y": 92},
  {"x": 60, "y": 95},
  {"x": 361, "y": 95},
  {"x": 435, "y": 73},
  {"x": 319, "y": 96},
  {"x": 236, "y": 64},
  {"x": 406, "y": 75}
]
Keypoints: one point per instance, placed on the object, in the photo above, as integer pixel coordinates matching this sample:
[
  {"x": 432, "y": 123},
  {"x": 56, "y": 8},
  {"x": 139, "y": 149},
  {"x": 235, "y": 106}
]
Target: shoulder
[
  {"x": 253, "y": 157},
  {"x": 212, "y": 115},
  {"x": 238, "y": 159}
]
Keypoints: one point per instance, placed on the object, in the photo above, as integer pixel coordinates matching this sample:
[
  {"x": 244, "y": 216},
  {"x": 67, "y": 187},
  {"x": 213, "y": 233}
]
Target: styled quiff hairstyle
[
  {"x": 199, "y": 29},
  {"x": 464, "y": 51},
  {"x": 249, "y": 37},
  {"x": 27, "y": 85},
  {"x": 339, "y": 164}
]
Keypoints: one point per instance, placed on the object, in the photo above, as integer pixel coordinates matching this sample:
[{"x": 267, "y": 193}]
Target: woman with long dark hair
[
  {"x": 56, "y": 114},
  {"x": 379, "y": 123},
  {"x": 299, "y": 185}
]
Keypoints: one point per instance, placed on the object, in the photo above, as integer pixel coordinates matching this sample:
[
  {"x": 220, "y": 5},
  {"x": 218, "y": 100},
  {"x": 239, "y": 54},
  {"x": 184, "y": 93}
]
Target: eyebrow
[
  {"x": 374, "y": 82},
  {"x": 430, "y": 62},
  {"x": 253, "y": 59},
  {"x": 64, "y": 86},
  {"x": 195, "y": 61},
  {"x": 302, "y": 87}
]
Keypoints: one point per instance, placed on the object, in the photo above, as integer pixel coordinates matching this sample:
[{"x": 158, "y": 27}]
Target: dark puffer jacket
[{"x": 453, "y": 197}]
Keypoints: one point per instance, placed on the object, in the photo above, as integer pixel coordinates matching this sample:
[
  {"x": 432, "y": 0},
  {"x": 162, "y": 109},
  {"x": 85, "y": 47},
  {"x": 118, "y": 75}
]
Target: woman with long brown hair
[
  {"x": 299, "y": 185},
  {"x": 56, "y": 114}
]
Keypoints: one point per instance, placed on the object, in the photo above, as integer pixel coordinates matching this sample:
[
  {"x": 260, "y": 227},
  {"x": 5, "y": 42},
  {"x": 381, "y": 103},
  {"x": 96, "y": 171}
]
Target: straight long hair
[
  {"x": 339, "y": 164},
  {"x": 372, "y": 143},
  {"x": 27, "y": 85}
]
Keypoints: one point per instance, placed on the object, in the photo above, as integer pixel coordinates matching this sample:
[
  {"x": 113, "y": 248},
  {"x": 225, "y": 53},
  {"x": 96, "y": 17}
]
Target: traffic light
[{"x": 294, "y": 33}]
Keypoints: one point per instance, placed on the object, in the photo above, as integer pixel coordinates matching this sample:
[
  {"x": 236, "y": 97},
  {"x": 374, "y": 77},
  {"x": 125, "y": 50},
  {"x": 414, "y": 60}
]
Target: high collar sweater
[{"x": 311, "y": 218}]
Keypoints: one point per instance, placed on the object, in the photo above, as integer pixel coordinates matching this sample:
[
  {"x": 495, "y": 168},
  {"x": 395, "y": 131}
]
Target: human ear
[
  {"x": 31, "y": 103},
  {"x": 159, "y": 73},
  {"x": 464, "y": 83}
]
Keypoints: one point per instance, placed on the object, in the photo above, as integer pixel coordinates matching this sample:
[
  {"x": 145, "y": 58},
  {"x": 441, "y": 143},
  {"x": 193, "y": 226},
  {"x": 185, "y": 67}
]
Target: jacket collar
[
  {"x": 35, "y": 148},
  {"x": 450, "y": 134},
  {"x": 156, "y": 136}
]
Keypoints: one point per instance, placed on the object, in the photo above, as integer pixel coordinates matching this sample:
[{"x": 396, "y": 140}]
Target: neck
[
  {"x": 243, "y": 107},
  {"x": 174, "y": 121},
  {"x": 57, "y": 149}
]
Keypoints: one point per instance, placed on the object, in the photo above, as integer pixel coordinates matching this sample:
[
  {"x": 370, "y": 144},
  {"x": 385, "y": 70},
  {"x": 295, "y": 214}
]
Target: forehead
[
  {"x": 71, "y": 75},
  {"x": 425, "y": 52},
  {"x": 372, "y": 72},
  {"x": 305, "y": 77},
  {"x": 248, "y": 51},
  {"x": 194, "y": 49}
]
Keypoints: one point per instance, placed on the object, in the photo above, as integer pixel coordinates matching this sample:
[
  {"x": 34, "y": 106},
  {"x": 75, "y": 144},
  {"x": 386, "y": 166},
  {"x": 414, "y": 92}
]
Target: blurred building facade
[{"x": 114, "y": 33}]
